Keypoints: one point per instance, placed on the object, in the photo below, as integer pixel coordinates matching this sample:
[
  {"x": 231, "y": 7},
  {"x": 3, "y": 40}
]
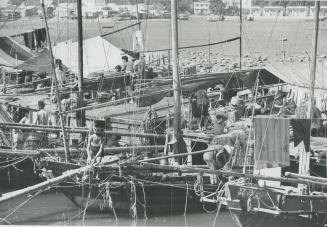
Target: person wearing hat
[{"x": 95, "y": 143}]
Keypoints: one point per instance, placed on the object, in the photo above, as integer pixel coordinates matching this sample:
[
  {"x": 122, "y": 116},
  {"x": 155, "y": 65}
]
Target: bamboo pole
[
  {"x": 78, "y": 130},
  {"x": 80, "y": 115},
  {"x": 176, "y": 79},
  {"x": 45, "y": 184},
  {"x": 55, "y": 82},
  {"x": 299, "y": 176},
  {"x": 68, "y": 129},
  {"x": 175, "y": 155},
  {"x": 107, "y": 150},
  {"x": 187, "y": 169}
]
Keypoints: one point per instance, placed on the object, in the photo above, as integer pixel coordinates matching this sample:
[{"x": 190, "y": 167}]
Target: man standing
[
  {"x": 127, "y": 68},
  {"x": 42, "y": 116},
  {"x": 202, "y": 104}
]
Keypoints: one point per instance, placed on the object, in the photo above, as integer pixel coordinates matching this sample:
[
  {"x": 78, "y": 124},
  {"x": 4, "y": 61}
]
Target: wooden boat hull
[
  {"x": 20, "y": 175},
  {"x": 103, "y": 190},
  {"x": 252, "y": 205},
  {"x": 151, "y": 199}
]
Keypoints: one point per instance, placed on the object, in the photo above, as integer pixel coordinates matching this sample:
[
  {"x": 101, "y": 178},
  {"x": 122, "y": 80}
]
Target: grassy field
[{"x": 261, "y": 37}]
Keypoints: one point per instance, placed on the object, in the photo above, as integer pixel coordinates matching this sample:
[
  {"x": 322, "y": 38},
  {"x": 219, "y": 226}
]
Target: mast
[
  {"x": 176, "y": 80},
  {"x": 67, "y": 154},
  {"x": 137, "y": 14},
  {"x": 241, "y": 21},
  {"x": 304, "y": 163},
  {"x": 314, "y": 59},
  {"x": 80, "y": 115}
]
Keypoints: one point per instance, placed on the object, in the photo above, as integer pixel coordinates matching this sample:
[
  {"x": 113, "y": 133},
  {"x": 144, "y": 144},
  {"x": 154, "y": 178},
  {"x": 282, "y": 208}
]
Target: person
[
  {"x": 95, "y": 143},
  {"x": 127, "y": 68},
  {"x": 42, "y": 116},
  {"x": 25, "y": 119},
  {"x": 60, "y": 73},
  {"x": 219, "y": 124},
  {"x": 202, "y": 102},
  {"x": 127, "y": 65},
  {"x": 195, "y": 111},
  {"x": 118, "y": 68},
  {"x": 217, "y": 159},
  {"x": 139, "y": 66}
]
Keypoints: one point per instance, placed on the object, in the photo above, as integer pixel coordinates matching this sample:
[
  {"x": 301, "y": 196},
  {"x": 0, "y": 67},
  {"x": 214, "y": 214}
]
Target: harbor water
[{"x": 53, "y": 208}]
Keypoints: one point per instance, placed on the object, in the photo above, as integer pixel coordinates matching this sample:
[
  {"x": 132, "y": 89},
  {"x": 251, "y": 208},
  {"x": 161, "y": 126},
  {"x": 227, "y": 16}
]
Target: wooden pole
[
  {"x": 45, "y": 184},
  {"x": 67, "y": 156},
  {"x": 80, "y": 115},
  {"x": 299, "y": 176},
  {"x": 175, "y": 155},
  {"x": 137, "y": 14},
  {"x": 187, "y": 169},
  {"x": 314, "y": 59},
  {"x": 46, "y": 128},
  {"x": 4, "y": 81},
  {"x": 176, "y": 80},
  {"x": 241, "y": 24}
]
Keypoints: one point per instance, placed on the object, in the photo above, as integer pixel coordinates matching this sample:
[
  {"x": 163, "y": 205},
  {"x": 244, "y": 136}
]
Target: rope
[
  {"x": 133, "y": 209},
  {"x": 186, "y": 199},
  {"x": 144, "y": 199}
]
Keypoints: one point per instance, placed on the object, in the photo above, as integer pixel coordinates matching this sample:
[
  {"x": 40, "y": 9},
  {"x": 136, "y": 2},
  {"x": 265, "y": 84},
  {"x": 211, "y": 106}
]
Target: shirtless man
[
  {"x": 95, "y": 143},
  {"x": 42, "y": 116}
]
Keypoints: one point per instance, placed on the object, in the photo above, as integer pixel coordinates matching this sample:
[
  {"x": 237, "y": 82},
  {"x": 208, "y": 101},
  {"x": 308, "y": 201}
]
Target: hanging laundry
[
  {"x": 271, "y": 141},
  {"x": 29, "y": 40},
  {"x": 301, "y": 132},
  {"x": 41, "y": 36}
]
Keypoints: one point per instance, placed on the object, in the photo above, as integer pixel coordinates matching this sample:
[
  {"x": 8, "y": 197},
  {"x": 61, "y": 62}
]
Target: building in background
[{"x": 201, "y": 8}]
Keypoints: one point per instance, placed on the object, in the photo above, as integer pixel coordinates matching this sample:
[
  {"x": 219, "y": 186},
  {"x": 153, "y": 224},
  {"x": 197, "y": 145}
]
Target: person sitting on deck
[
  {"x": 95, "y": 143},
  {"x": 42, "y": 116},
  {"x": 25, "y": 119},
  {"x": 217, "y": 159}
]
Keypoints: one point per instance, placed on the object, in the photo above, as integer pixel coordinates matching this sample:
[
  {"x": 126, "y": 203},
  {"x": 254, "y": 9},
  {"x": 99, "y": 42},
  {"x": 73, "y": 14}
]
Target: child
[{"x": 95, "y": 143}]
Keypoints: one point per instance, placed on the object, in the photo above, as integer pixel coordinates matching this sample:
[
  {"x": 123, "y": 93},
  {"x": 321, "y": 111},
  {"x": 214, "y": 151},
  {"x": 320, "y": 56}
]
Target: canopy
[
  {"x": 98, "y": 55},
  {"x": 298, "y": 73},
  {"x": 12, "y": 53},
  {"x": 39, "y": 63}
]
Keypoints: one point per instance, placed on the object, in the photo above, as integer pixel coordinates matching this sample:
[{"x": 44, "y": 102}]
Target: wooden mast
[
  {"x": 80, "y": 115},
  {"x": 241, "y": 21},
  {"x": 314, "y": 59},
  {"x": 304, "y": 163},
  {"x": 176, "y": 80},
  {"x": 67, "y": 155}
]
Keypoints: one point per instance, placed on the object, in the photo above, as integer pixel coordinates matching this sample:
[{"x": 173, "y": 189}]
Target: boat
[
  {"x": 268, "y": 198},
  {"x": 183, "y": 17},
  {"x": 215, "y": 18}
]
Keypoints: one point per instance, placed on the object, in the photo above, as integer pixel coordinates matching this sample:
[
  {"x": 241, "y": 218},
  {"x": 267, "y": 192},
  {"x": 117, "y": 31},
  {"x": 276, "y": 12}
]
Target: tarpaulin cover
[
  {"x": 12, "y": 53},
  {"x": 298, "y": 73},
  {"x": 39, "y": 63},
  {"x": 98, "y": 55}
]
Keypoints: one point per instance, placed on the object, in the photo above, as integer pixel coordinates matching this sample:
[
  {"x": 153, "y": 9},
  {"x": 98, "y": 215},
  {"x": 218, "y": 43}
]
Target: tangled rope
[{"x": 133, "y": 209}]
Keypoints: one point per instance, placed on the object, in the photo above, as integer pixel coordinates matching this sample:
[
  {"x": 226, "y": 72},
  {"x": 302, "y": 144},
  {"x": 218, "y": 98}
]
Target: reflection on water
[{"x": 53, "y": 208}]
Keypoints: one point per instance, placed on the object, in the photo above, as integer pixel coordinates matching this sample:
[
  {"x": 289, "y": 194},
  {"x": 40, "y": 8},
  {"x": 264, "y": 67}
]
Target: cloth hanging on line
[{"x": 301, "y": 132}]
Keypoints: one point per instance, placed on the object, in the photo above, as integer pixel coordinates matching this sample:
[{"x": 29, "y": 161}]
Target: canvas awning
[
  {"x": 98, "y": 55},
  {"x": 298, "y": 73},
  {"x": 12, "y": 53},
  {"x": 39, "y": 63}
]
